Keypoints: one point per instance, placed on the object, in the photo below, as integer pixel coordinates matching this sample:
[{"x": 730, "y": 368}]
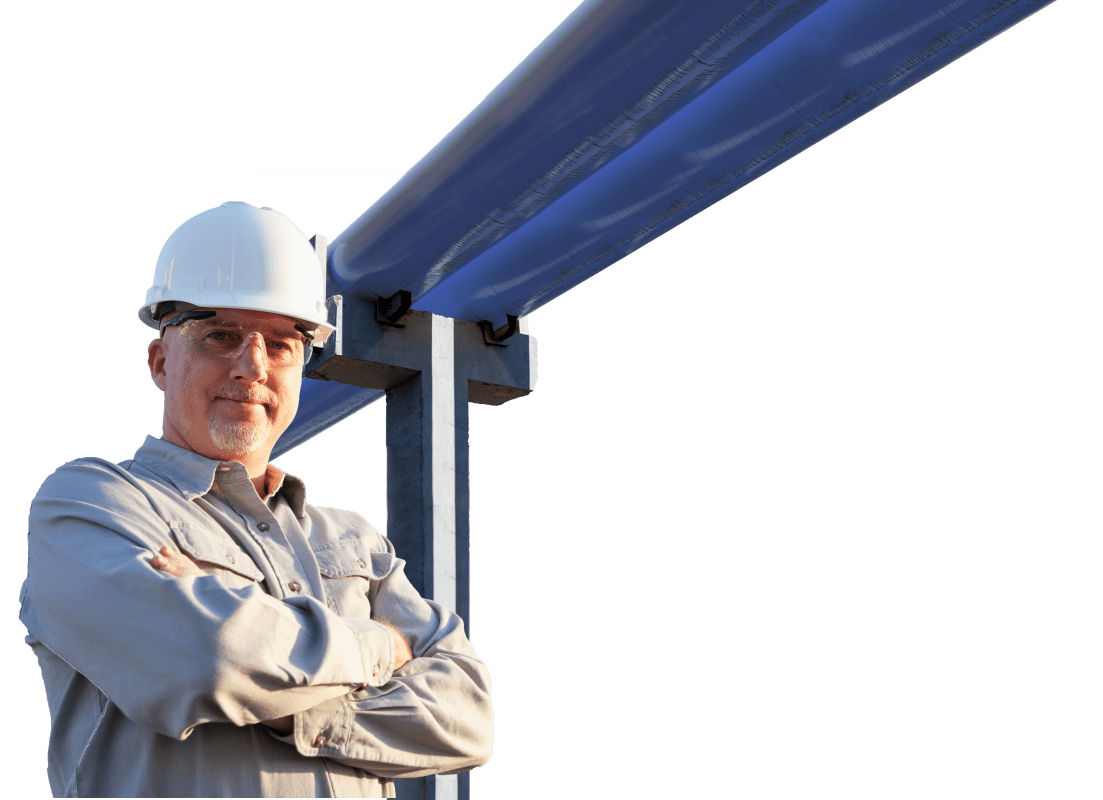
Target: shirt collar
[{"x": 193, "y": 474}]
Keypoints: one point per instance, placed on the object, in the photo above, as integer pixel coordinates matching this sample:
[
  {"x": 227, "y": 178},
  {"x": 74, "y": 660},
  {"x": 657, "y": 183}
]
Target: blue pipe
[
  {"x": 829, "y": 69},
  {"x": 604, "y": 78},
  {"x": 826, "y": 68}
]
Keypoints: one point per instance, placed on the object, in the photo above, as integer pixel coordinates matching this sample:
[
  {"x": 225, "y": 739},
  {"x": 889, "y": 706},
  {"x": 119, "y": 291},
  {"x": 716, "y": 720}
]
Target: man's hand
[
  {"x": 178, "y": 564},
  {"x": 402, "y": 653}
]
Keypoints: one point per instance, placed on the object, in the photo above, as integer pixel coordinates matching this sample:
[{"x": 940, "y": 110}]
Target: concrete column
[{"x": 421, "y": 469}]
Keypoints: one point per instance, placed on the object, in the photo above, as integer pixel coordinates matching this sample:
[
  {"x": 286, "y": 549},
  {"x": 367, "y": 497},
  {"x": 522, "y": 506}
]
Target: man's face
[{"x": 227, "y": 394}]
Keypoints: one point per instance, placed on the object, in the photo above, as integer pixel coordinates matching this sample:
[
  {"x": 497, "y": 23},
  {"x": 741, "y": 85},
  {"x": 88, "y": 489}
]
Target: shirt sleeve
[
  {"x": 433, "y": 716},
  {"x": 176, "y": 652}
]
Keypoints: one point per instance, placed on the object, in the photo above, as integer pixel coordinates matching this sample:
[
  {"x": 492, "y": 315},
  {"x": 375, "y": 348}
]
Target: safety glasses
[{"x": 282, "y": 346}]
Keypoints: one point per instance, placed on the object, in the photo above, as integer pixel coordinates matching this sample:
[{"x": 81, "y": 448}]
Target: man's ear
[{"x": 156, "y": 362}]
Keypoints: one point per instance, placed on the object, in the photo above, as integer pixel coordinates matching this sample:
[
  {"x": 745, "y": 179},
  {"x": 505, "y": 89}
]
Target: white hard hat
[{"x": 240, "y": 256}]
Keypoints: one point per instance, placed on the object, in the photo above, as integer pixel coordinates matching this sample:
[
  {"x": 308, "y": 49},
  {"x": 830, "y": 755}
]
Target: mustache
[{"x": 244, "y": 395}]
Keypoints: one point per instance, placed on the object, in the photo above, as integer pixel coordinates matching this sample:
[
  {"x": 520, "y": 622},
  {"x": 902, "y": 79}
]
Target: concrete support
[
  {"x": 431, "y": 367},
  {"x": 421, "y": 465}
]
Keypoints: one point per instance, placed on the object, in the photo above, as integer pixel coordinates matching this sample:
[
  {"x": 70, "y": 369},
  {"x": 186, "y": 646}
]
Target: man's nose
[{"x": 250, "y": 362}]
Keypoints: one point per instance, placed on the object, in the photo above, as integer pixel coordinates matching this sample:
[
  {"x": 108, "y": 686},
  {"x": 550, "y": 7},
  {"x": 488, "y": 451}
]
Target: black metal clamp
[
  {"x": 497, "y": 338},
  {"x": 389, "y": 311}
]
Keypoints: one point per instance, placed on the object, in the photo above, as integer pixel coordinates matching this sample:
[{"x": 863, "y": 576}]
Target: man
[{"x": 202, "y": 630}]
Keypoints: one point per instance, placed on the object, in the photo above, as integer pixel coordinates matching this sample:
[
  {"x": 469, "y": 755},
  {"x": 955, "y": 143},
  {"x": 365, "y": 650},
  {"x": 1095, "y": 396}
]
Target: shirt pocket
[
  {"x": 351, "y": 572},
  {"x": 223, "y": 555}
]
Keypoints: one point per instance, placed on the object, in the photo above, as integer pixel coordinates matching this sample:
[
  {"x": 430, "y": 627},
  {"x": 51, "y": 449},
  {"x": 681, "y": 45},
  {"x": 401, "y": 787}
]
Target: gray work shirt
[{"x": 156, "y": 684}]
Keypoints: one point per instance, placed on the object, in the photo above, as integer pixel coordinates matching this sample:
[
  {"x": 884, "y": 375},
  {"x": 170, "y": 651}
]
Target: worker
[{"x": 202, "y": 629}]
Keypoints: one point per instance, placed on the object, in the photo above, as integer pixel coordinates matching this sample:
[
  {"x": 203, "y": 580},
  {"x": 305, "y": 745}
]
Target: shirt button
[
  {"x": 294, "y": 586},
  {"x": 375, "y": 671},
  {"x": 359, "y": 563},
  {"x": 230, "y": 558},
  {"x": 319, "y": 741},
  {"x": 262, "y": 526}
]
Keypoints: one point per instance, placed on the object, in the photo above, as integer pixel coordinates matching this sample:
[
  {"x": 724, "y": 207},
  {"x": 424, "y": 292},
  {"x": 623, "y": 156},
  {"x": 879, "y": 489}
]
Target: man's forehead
[{"x": 236, "y": 318}]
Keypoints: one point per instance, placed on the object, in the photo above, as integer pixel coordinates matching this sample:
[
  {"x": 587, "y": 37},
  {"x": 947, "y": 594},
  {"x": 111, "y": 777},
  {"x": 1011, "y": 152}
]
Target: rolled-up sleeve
[{"x": 176, "y": 652}]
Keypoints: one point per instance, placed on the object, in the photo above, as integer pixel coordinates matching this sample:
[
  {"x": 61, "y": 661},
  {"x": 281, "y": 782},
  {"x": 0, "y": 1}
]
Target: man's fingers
[
  {"x": 177, "y": 564},
  {"x": 402, "y": 653}
]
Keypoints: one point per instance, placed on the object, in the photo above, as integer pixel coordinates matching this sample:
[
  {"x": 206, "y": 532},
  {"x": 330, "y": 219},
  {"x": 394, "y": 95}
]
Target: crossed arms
[{"x": 398, "y": 692}]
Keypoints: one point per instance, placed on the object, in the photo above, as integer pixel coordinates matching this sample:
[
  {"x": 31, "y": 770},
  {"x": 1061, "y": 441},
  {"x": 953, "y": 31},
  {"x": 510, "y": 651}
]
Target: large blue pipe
[
  {"x": 610, "y": 73},
  {"x": 829, "y": 69},
  {"x": 789, "y": 74}
]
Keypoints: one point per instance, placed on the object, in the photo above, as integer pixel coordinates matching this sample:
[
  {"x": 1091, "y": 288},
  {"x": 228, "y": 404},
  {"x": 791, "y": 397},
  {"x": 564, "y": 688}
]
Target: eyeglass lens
[{"x": 227, "y": 340}]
